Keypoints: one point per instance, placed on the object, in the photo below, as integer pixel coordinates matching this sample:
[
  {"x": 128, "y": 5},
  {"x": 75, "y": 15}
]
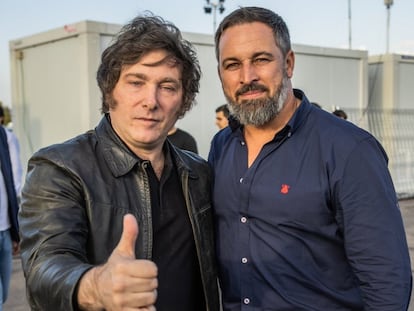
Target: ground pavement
[{"x": 17, "y": 296}]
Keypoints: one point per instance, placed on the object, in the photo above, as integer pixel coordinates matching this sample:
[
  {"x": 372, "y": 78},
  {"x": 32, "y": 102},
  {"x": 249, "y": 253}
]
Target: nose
[
  {"x": 151, "y": 98},
  {"x": 248, "y": 74}
]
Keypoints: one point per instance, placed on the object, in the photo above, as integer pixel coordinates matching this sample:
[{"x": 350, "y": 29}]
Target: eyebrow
[
  {"x": 263, "y": 53},
  {"x": 257, "y": 54},
  {"x": 136, "y": 75},
  {"x": 145, "y": 78}
]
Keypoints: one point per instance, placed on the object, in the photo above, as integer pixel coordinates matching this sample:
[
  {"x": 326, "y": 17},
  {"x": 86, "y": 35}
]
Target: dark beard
[{"x": 259, "y": 112}]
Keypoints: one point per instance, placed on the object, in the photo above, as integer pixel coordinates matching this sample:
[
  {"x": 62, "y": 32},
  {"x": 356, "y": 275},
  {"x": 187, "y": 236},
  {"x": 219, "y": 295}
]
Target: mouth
[
  {"x": 147, "y": 120},
  {"x": 251, "y": 91},
  {"x": 251, "y": 94}
]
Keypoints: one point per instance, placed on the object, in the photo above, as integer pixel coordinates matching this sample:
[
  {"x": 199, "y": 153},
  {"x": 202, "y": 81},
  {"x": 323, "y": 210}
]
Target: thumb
[{"x": 126, "y": 245}]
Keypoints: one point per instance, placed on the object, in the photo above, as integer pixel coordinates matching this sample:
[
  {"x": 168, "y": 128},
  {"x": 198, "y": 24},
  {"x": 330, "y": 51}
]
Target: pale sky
[{"x": 318, "y": 22}]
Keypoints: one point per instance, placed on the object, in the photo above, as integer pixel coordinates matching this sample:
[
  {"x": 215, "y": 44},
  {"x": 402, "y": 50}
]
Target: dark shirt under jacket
[
  {"x": 313, "y": 224},
  {"x": 174, "y": 252}
]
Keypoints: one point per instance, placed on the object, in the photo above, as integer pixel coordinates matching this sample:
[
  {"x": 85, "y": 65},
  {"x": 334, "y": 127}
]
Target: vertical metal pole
[
  {"x": 349, "y": 25},
  {"x": 388, "y": 30},
  {"x": 214, "y": 16},
  {"x": 211, "y": 7},
  {"x": 388, "y": 4}
]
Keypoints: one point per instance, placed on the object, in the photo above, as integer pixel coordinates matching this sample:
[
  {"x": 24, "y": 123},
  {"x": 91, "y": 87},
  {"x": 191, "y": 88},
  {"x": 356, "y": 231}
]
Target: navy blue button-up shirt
[{"x": 313, "y": 224}]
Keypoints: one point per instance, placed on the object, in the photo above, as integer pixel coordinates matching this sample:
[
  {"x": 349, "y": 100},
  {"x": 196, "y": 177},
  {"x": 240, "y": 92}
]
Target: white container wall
[
  {"x": 332, "y": 77},
  {"x": 54, "y": 90},
  {"x": 391, "y": 79},
  {"x": 55, "y": 95}
]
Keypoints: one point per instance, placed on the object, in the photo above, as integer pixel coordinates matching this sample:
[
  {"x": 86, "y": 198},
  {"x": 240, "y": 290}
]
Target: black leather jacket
[{"x": 73, "y": 203}]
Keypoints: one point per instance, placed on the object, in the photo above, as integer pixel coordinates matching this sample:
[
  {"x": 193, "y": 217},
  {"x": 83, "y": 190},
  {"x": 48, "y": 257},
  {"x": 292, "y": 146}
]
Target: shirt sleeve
[
  {"x": 14, "y": 150},
  {"x": 370, "y": 220}
]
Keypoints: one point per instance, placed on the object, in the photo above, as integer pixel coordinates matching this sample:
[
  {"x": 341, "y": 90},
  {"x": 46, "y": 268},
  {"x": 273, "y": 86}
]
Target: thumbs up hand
[{"x": 123, "y": 282}]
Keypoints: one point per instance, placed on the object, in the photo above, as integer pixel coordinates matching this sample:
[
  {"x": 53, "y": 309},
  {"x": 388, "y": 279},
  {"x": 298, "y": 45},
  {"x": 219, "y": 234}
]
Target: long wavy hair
[{"x": 144, "y": 34}]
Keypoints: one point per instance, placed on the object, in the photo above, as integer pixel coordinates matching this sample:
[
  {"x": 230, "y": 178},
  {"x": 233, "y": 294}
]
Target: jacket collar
[
  {"x": 121, "y": 160},
  {"x": 183, "y": 160},
  {"x": 118, "y": 157}
]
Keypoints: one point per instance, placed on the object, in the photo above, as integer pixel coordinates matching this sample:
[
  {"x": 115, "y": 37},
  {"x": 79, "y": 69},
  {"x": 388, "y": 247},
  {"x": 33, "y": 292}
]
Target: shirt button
[
  {"x": 241, "y": 180},
  {"x": 246, "y": 301},
  {"x": 243, "y": 220},
  {"x": 244, "y": 260}
]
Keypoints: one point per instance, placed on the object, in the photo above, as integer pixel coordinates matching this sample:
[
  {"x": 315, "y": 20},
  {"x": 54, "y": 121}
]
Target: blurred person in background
[
  {"x": 10, "y": 183},
  {"x": 340, "y": 113},
  {"x": 222, "y": 116},
  {"x": 182, "y": 139}
]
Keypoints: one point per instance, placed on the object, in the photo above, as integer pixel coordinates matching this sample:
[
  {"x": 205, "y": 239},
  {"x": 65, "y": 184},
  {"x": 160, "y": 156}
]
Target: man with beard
[{"x": 307, "y": 217}]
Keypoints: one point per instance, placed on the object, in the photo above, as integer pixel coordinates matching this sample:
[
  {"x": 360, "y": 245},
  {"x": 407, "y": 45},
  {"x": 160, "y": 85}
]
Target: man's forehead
[{"x": 157, "y": 58}]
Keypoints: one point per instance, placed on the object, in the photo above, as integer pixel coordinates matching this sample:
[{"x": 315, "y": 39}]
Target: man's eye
[
  {"x": 135, "y": 83},
  {"x": 260, "y": 61},
  {"x": 231, "y": 66},
  {"x": 168, "y": 88}
]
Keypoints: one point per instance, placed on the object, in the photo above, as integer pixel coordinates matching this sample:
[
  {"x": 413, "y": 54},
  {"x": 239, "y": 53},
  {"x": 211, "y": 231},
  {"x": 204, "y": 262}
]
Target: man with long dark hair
[{"x": 118, "y": 218}]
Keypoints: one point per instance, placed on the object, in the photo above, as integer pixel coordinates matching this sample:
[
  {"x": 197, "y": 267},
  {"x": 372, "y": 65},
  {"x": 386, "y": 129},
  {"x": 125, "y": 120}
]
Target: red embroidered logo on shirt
[{"x": 284, "y": 189}]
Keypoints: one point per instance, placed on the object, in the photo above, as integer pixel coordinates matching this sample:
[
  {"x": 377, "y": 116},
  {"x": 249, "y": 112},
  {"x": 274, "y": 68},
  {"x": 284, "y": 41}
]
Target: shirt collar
[{"x": 301, "y": 112}]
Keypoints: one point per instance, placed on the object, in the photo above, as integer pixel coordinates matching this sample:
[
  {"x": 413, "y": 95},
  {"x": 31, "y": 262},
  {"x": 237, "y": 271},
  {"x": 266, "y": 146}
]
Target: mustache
[{"x": 251, "y": 87}]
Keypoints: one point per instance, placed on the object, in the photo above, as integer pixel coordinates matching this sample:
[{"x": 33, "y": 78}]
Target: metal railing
[{"x": 394, "y": 128}]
